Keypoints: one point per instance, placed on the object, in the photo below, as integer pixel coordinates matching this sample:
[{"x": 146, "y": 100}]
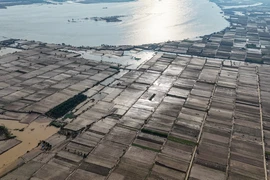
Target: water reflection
[
  {"x": 159, "y": 27},
  {"x": 145, "y": 21}
]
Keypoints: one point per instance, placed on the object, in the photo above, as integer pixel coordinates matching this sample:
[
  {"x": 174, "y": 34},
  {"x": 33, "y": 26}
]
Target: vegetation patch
[
  {"x": 267, "y": 155},
  {"x": 182, "y": 141},
  {"x": 4, "y": 131},
  {"x": 253, "y": 46},
  {"x": 65, "y": 107},
  {"x": 258, "y": 61},
  {"x": 57, "y": 124},
  {"x": 144, "y": 147},
  {"x": 69, "y": 116},
  {"x": 156, "y": 133}
]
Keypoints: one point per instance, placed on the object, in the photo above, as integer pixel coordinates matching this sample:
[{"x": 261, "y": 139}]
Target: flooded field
[
  {"x": 130, "y": 59},
  {"x": 4, "y": 51},
  {"x": 142, "y": 22},
  {"x": 30, "y": 137}
]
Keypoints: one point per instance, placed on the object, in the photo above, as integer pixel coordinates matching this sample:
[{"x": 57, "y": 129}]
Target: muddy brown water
[{"x": 30, "y": 137}]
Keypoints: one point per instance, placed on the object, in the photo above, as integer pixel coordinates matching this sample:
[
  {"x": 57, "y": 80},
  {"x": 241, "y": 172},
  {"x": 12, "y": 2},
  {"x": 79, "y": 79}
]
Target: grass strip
[
  {"x": 181, "y": 141},
  {"x": 258, "y": 61},
  {"x": 156, "y": 133},
  {"x": 144, "y": 147}
]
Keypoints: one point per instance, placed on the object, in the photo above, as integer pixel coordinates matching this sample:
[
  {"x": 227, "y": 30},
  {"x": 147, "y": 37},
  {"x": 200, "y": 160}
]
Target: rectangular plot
[{"x": 8, "y": 144}]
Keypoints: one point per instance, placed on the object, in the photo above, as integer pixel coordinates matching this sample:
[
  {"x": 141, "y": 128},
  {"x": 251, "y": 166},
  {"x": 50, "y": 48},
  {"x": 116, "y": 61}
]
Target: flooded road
[{"x": 30, "y": 137}]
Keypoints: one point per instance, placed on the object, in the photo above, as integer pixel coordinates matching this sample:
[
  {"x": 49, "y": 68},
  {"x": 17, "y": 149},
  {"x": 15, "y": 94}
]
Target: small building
[{"x": 72, "y": 129}]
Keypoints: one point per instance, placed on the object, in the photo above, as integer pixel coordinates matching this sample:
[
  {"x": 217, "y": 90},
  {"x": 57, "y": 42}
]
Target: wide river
[{"x": 145, "y": 21}]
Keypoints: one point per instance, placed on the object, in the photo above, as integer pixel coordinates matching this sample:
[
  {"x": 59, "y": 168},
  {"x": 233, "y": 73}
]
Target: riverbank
[
  {"x": 236, "y": 42},
  {"x": 246, "y": 39}
]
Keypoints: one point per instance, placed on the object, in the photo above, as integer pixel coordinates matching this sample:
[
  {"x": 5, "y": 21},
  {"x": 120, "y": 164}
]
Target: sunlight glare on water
[{"x": 145, "y": 21}]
